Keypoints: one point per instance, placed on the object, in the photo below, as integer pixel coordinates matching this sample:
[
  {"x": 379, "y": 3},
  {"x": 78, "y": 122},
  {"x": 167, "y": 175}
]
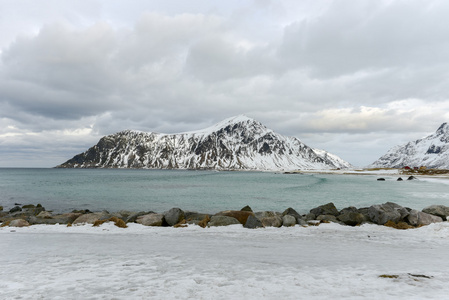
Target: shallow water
[{"x": 207, "y": 191}]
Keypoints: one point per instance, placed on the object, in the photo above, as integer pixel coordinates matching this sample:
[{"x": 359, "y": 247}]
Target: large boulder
[
  {"x": 152, "y": 219},
  {"x": 291, "y": 212},
  {"x": 252, "y": 222},
  {"x": 269, "y": 218},
  {"x": 91, "y": 218},
  {"x": 382, "y": 213},
  {"x": 348, "y": 209},
  {"x": 242, "y": 216},
  {"x": 419, "y": 218},
  {"x": 223, "y": 221},
  {"x": 133, "y": 217},
  {"x": 174, "y": 216},
  {"x": 438, "y": 210},
  {"x": 288, "y": 221},
  {"x": 196, "y": 218},
  {"x": 19, "y": 223},
  {"x": 326, "y": 209},
  {"x": 352, "y": 218}
]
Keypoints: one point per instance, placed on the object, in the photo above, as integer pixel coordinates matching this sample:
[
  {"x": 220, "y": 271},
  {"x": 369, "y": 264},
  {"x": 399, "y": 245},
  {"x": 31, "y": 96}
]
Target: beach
[{"x": 141, "y": 262}]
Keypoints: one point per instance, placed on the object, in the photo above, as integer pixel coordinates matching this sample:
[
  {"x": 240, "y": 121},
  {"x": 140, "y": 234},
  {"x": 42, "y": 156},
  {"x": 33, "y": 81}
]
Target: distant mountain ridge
[
  {"x": 431, "y": 152},
  {"x": 237, "y": 143}
]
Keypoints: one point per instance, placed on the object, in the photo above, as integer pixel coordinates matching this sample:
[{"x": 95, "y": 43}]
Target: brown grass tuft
[
  {"x": 203, "y": 222},
  {"x": 399, "y": 225},
  {"x": 181, "y": 224},
  {"x": 117, "y": 222},
  {"x": 69, "y": 224},
  {"x": 4, "y": 224}
]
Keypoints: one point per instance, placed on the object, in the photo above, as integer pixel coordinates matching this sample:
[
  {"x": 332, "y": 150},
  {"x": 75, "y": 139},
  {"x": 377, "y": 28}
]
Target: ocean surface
[{"x": 63, "y": 190}]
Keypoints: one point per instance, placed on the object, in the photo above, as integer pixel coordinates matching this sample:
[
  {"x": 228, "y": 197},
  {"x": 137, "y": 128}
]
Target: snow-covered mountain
[
  {"x": 431, "y": 151},
  {"x": 238, "y": 143}
]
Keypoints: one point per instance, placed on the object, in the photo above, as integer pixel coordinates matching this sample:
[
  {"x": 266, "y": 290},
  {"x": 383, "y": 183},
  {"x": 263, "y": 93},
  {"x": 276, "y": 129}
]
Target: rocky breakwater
[{"x": 387, "y": 214}]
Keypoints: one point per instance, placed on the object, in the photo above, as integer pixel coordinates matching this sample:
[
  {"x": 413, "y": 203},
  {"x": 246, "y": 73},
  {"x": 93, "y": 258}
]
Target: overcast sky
[{"x": 352, "y": 77}]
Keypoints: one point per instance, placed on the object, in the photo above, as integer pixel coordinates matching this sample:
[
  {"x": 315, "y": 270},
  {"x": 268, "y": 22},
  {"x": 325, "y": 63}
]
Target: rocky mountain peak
[
  {"x": 237, "y": 143},
  {"x": 431, "y": 151}
]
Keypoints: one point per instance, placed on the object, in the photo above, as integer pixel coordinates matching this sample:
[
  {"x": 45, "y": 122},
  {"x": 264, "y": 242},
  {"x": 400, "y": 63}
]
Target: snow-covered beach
[{"x": 140, "y": 262}]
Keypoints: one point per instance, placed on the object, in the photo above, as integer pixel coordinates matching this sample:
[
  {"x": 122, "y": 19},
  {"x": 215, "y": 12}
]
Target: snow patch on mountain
[
  {"x": 431, "y": 151},
  {"x": 237, "y": 143}
]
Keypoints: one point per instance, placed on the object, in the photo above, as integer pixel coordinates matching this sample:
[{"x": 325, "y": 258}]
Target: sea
[{"x": 64, "y": 190}]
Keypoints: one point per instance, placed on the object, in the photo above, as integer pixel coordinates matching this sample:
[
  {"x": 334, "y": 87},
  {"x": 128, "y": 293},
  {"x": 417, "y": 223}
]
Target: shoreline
[{"x": 388, "y": 214}]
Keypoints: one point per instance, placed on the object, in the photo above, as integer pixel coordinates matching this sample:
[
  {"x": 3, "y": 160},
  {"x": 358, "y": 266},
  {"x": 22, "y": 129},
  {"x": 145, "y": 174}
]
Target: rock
[
  {"x": 125, "y": 214},
  {"x": 242, "y": 216},
  {"x": 195, "y": 218},
  {"x": 223, "y": 221},
  {"x": 327, "y": 209},
  {"x": 132, "y": 218},
  {"x": 411, "y": 178},
  {"x": 81, "y": 211},
  {"x": 365, "y": 212},
  {"x": 90, "y": 218},
  {"x": 269, "y": 218},
  {"x": 152, "y": 219},
  {"x": 419, "y": 218},
  {"x": 291, "y": 212},
  {"x": 310, "y": 217},
  {"x": 288, "y": 220},
  {"x": 33, "y": 211},
  {"x": 15, "y": 209},
  {"x": 252, "y": 222},
  {"x": 246, "y": 208},
  {"x": 44, "y": 214},
  {"x": 1, "y": 208},
  {"x": 400, "y": 179},
  {"x": 438, "y": 210},
  {"x": 66, "y": 218},
  {"x": 348, "y": 209},
  {"x": 381, "y": 214},
  {"x": 380, "y": 179},
  {"x": 327, "y": 218},
  {"x": 352, "y": 218},
  {"x": 174, "y": 216},
  {"x": 28, "y": 206},
  {"x": 56, "y": 219},
  {"x": 19, "y": 223}
]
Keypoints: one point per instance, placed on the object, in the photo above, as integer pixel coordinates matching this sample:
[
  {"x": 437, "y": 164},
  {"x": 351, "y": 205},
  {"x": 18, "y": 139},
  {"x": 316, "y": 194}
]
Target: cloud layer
[{"x": 354, "y": 78}]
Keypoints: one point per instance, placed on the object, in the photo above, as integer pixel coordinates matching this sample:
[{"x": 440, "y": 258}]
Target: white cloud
[{"x": 311, "y": 69}]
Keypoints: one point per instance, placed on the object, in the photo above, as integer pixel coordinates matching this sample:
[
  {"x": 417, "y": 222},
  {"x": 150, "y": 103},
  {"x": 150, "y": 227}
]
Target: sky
[{"x": 354, "y": 78}]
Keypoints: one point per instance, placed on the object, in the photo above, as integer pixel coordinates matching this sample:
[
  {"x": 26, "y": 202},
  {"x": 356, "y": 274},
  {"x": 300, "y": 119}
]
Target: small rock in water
[
  {"x": 400, "y": 179},
  {"x": 380, "y": 179},
  {"x": 411, "y": 178}
]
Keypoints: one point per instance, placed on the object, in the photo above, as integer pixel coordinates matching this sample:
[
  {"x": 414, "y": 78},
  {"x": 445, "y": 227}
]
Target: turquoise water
[{"x": 206, "y": 191}]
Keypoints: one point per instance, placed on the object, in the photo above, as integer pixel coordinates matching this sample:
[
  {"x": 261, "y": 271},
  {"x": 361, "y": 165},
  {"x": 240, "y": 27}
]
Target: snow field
[{"x": 106, "y": 262}]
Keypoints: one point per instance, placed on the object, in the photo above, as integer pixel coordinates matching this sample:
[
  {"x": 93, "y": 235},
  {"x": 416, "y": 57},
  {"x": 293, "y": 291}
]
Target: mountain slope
[
  {"x": 431, "y": 151},
  {"x": 238, "y": 143}
]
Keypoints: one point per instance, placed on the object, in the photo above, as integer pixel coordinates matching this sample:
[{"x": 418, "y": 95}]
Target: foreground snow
[{"x": 83, "y": 262}]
